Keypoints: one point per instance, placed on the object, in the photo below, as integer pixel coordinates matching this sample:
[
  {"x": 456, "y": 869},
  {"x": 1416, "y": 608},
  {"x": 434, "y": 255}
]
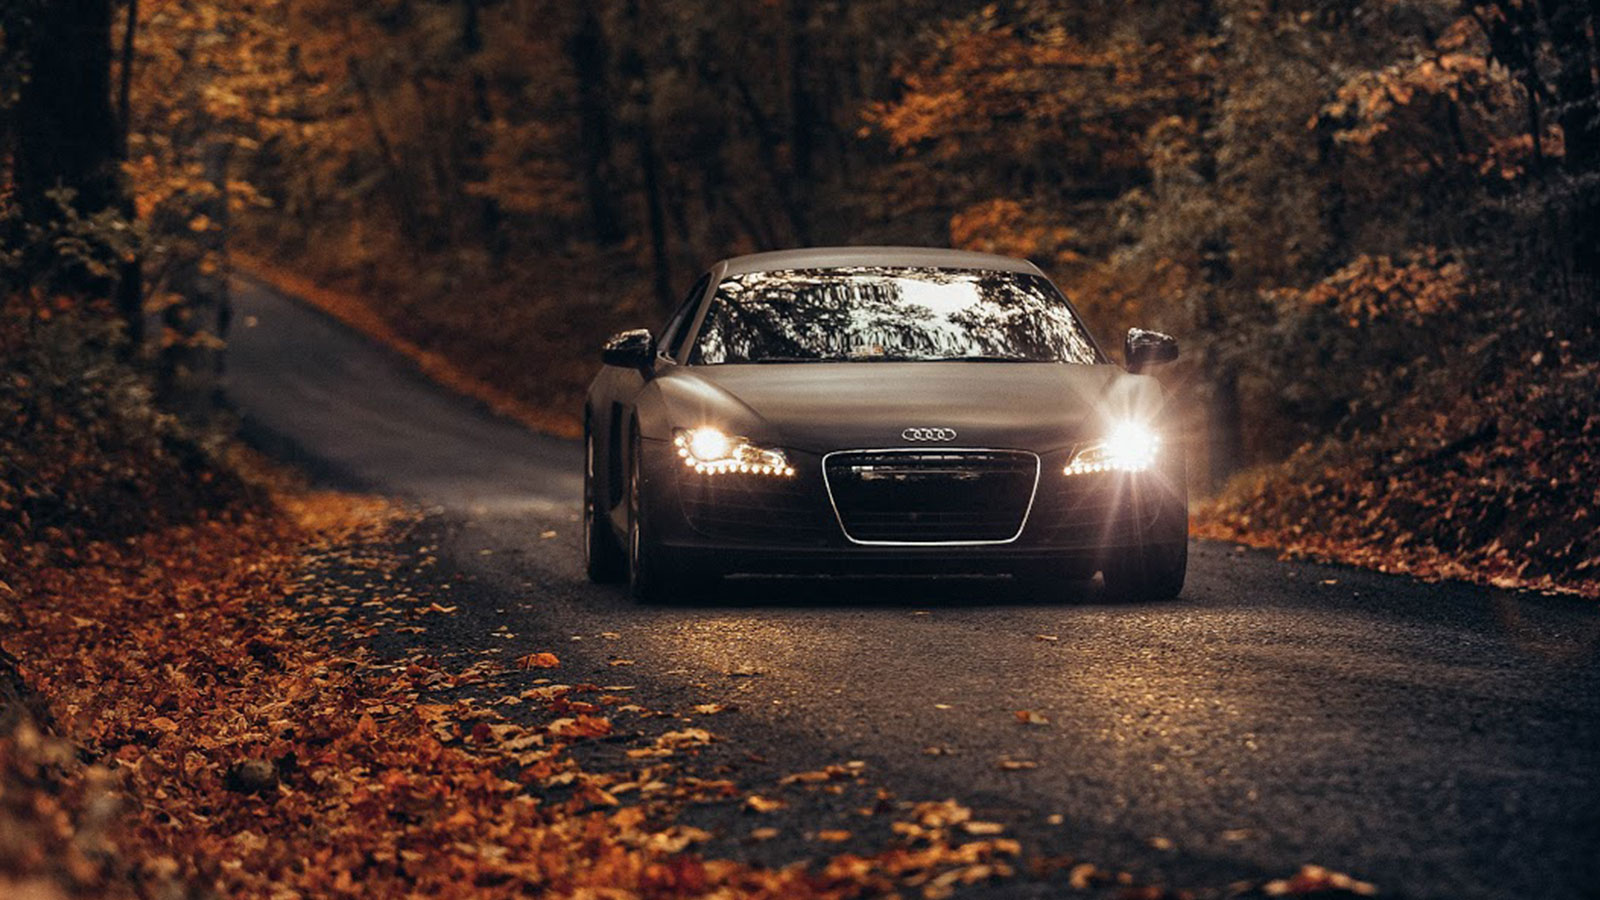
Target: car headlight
[
  {"x": 1130, "y": 447},
  {"x": 710, "y": 451}
]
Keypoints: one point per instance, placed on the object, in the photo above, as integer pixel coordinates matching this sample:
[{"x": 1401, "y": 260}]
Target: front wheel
[
  {"x": 1154, "y": 571},
  {"x": 651, "y": 576}
]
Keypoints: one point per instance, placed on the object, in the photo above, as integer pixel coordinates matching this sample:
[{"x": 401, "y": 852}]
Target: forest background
[{"x": 1373, "y": 225}]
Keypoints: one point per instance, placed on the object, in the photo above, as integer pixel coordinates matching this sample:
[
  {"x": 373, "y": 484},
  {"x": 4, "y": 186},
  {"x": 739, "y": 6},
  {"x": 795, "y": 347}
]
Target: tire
[
  {"x": 603, "y": 558},
  {"x": 1154, "y": 571},
  {"x": 652, "y": 578}
]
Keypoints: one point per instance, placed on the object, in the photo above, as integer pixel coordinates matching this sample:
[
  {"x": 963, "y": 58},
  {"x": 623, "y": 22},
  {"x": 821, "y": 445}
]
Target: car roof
[{"x": 850, "y": 257}]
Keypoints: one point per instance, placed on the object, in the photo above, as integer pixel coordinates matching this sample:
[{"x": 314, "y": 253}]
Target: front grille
[
  {"x": 932, "y": 497},
  {"x": 748, "y": 508}
]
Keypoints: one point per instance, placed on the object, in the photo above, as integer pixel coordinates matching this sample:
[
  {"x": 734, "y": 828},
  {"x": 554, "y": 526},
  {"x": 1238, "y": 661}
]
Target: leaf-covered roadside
[
  {"x": 240, "y": 742},
  {"x": 223, "y": 723},
  {"x": 1498, "y": 485}
]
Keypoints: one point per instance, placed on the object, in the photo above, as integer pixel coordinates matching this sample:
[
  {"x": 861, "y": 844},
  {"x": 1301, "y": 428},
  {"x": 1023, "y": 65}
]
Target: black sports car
[{"x": 881, "y": 410}]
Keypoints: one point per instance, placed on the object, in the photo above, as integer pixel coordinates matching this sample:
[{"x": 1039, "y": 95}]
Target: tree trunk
[
  {"x": 1225, "y": 422},
  {"x": 650, "y": 167},
  {"x": 586, "y": 50},
  {"x": 68, "y": 137},
  {"x": 637, "y": 77},
  {"x": 398, "y": 177},
  {"x": 130, "y": 275},
  {"x": 803, "y": 117},
  {"x": 192, "y": 360}
]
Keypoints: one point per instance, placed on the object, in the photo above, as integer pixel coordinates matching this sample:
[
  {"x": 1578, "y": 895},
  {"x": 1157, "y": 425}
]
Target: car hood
[{"x": 820, "y": 407}]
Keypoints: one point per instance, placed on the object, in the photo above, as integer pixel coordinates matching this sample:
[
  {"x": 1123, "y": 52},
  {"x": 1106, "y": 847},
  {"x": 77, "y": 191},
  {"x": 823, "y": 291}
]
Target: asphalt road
[{"x": 1438, "y": 740}]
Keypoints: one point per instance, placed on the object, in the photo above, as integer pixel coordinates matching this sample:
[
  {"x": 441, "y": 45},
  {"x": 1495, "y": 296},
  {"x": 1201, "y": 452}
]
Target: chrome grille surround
[{"x": 951, "y": 457}]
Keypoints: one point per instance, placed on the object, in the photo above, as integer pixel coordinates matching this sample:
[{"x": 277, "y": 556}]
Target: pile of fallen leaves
[
  {"x": 1498, "y": 485},
  {"x": 228, "y": 731}
]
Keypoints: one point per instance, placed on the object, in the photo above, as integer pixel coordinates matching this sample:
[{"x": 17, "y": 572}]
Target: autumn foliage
[{"x": 219, "y": 725}]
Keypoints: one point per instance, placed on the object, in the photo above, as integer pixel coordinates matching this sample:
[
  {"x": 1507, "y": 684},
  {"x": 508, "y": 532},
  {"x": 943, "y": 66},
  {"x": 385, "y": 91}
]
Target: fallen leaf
[
  {"x": 759, "y": 804},
  {"x": 940, "y": 813},
  {"x": 538, "y": 661},
  {"x": 833, "y": 835},
  {"x": 1029, "y": 717},
  {"x": 1316, "y": 879},
  {"x": 582, "y": 726},
  {"x": 1083, "y": 876}
]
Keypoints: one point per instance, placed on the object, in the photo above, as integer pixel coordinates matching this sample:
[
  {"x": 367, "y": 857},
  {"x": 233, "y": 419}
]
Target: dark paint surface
[
  {"x": 828, "y": 406},
  {"x": 1439, "y": 740}
]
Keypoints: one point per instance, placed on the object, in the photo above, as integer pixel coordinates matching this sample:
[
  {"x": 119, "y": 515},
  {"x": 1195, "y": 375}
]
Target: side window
[{"x": 677, "y": 327}]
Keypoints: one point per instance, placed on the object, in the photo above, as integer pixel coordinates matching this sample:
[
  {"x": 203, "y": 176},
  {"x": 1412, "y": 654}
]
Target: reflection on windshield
[{"x": 889, "y": 314}]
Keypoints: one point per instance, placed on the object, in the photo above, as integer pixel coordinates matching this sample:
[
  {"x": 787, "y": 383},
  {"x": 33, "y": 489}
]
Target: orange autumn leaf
[{"x": 538, "y": 661}]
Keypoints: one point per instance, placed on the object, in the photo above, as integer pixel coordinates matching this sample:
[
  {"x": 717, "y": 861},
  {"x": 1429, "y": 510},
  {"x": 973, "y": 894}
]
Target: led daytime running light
[{"x": 710, "y": 452}]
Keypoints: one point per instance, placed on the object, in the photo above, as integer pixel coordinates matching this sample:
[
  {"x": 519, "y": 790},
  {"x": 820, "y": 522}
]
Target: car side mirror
[
  {"x": 1143, "y": 349},
  {"x": 634, "y": 349}
]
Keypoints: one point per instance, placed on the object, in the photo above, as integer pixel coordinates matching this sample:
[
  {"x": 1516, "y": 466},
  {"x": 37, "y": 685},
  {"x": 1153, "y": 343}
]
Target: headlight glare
[
  {"x": 710, "y": 451},
  {"x": 708, "y": 445},
  {"x": 1130, "y": 447}
]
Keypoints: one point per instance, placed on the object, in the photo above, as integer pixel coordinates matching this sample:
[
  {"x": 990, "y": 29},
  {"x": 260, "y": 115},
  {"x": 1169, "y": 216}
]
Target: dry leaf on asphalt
[
  {"x": 759, "y": 804},
  {"x": 1318, "y": 880}
]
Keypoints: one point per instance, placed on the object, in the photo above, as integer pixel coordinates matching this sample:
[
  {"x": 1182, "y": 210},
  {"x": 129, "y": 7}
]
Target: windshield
[{"x": 889, "y": 315}]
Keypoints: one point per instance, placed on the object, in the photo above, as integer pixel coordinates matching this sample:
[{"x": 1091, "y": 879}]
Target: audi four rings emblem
[{"x": 929, "y": 434}]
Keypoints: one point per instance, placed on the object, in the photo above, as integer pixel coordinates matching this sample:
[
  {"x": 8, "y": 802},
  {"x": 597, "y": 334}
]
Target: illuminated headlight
[
  {"x": 1131, "y": 447},
  {"x": 709, "y": 451}
]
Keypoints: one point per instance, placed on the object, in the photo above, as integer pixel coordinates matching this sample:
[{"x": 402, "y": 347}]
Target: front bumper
[{"x": 751, "y": 524}]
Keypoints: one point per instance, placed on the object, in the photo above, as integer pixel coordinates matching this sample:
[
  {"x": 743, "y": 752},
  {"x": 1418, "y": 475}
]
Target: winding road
[{"x": 1437, "y": 740}]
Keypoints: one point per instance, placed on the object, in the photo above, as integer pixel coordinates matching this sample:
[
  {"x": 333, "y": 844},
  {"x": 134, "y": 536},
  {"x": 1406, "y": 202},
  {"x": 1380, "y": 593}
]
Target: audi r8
[{"x": 881, "y": 410}]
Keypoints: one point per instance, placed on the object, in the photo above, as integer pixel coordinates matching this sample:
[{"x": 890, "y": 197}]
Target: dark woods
[{"x": 1341, "y": 207}]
